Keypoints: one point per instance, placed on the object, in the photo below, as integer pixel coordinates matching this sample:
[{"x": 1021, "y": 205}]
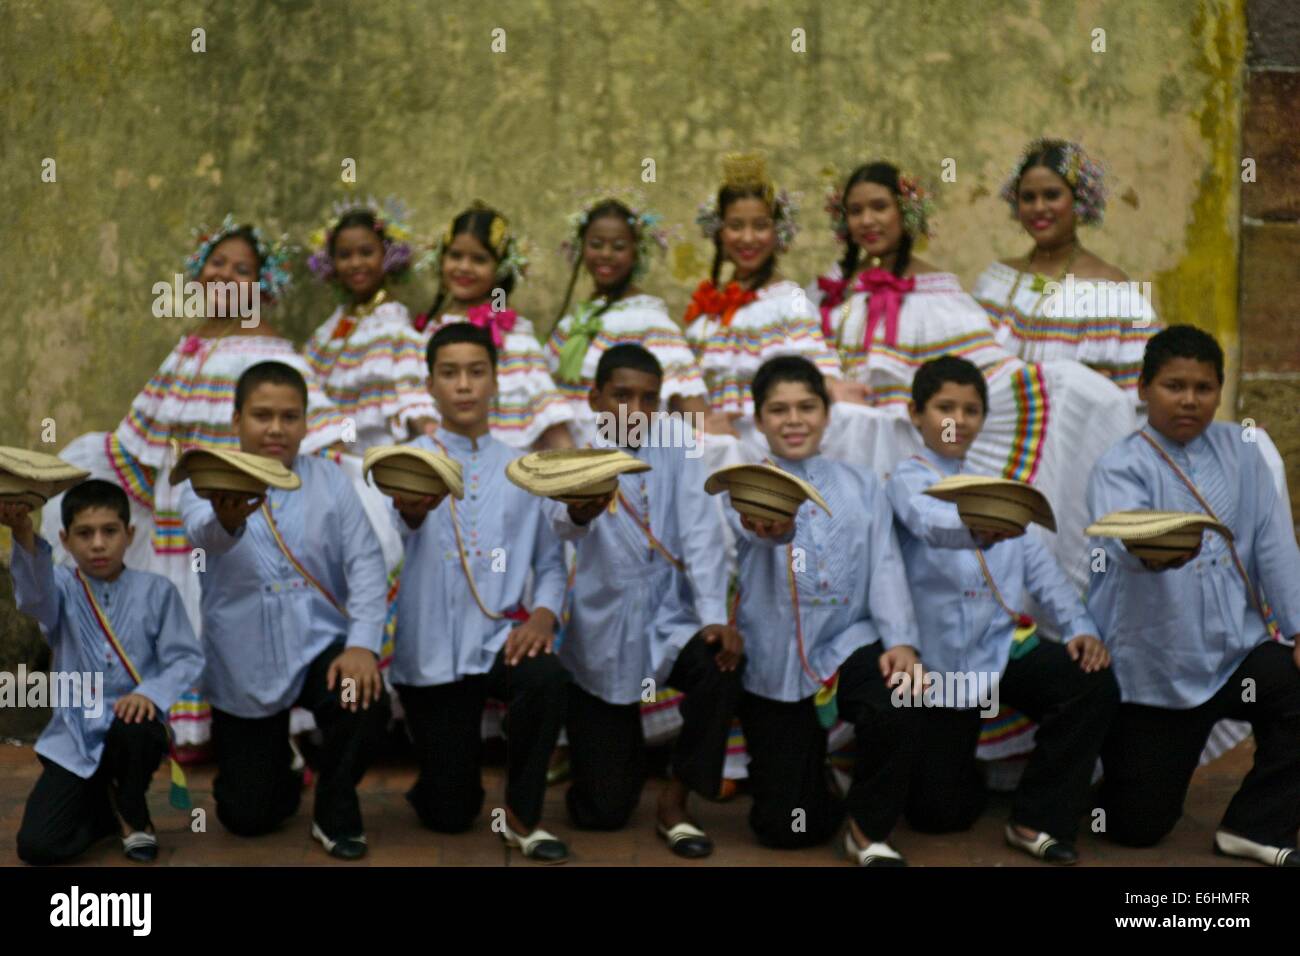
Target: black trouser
[
  {"x": 1073, "y": 710},
  {"x": 793, "y": 803},
  {"x": 1151, "y": 753},
  {"x": 607, "y": 744},
  {"x": 446, "y": 721},
  {"x": 256, "y": 789},
  {"x": 65, "y": 813}
]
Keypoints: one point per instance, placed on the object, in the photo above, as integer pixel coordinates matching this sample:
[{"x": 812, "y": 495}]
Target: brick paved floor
[{"x": 396, "y": 839}]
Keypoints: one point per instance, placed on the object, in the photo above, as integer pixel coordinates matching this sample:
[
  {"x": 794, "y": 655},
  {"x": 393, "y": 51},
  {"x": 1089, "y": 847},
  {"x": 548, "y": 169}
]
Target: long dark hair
[
  {"x": 476, "y": 221},
  {"x": 606, "y": 209},
  {"x": 882, "y": 174},
  {"x": 726, "y": 196}
]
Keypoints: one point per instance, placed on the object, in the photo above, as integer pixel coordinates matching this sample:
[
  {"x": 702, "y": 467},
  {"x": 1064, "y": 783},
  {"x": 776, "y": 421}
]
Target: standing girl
[
  {"x": 479, "y": 262},
  {"x": 366, "y": 355},
  {"x": 612, "y": 239},
  {"x": 1097, "y": 316}
]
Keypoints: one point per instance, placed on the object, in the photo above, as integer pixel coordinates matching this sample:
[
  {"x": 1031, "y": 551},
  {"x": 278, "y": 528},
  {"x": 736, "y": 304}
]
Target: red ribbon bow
[
  {"x": 191, "y": 344},
  {"x": 498, "y": 323},
  {"x": 886, "y": 291},
  {"x": 833, "y": 290},
  {"x": 707, "y": 300}
]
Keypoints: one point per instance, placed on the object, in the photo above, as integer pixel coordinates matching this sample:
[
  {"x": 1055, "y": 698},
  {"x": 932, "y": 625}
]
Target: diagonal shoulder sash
[
  {"x": 1270, "y": 623},
  {"x": 180, "y": 791},
  {"x": 1025, "y": 626},
  {"x": 298, "y": 565},
  {"x": 519, "y": 615}
]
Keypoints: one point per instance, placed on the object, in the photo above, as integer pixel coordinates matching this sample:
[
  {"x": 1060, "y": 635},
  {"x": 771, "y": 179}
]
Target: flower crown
[
  {"x": 647, "y": 227},
  {"x": 513, "y": 253},
  {"x": 390, "y": 221},
  {"x": 275, "y": 255},
  {"x": 749, "y": 170},
  {"x": 915, "y": 207},
  {"x": 1085, "y": 176}
]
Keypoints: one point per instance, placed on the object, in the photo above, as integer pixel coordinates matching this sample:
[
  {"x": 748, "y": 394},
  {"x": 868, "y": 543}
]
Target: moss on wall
[{"x": 150, "y": 138}]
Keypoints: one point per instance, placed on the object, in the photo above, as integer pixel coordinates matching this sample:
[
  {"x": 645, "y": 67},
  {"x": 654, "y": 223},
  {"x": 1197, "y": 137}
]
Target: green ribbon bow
[{"x": 585, "y": 327}]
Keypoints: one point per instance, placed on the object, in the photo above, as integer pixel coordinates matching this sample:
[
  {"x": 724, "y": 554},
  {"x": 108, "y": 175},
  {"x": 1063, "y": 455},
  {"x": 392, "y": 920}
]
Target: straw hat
[
  {"x": 994, "y": 504},
  {"x": 764, "y": 492},
  {"x": 1158, "y": 536},
  {"x": 573, "y": 475},
  {"x": 406, "y": 471},
  {"x": 33, "y": 477},
  {"x": 210, "y": 470}
]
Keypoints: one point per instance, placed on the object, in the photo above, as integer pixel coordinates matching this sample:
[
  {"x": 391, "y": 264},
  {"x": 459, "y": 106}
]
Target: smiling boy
[
  {"x": 294, "y": 600},
  {"x": 1189, "y": 642},
  {"x": 107, "y": 619}
]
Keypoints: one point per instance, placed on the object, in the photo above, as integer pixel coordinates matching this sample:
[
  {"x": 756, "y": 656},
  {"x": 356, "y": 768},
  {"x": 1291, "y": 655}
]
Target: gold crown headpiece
[{"x": 740, "y": 170}]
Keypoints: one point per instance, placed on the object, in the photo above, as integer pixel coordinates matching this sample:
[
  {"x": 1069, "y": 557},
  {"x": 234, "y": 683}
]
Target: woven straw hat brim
[
  {"x": 32, "y": 499},
  {"x": 210, "y": 470},
  {"x": 42, "y": 474},
  {"x": 572, "y": 473},
  {"x": 764, "y": 490},
  {"x": 999, "y": 503},
  {"x": 1149, "y": 526},
  {"x": 403, "y": 470}
]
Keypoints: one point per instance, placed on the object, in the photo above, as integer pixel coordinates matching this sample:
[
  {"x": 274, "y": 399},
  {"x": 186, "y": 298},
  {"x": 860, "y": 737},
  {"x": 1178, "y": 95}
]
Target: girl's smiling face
[
  {"x": 230, "y": 260},
  {"x": 359, "y": 261},
  {"x": 1045, "y": 206},
  {"x": 229, "y": 277},
  {"x": 874, "y": 222},
  {"x": 609, "y": 251},
  {"x": 748, "y": 234},
  {"x": 468, "y": 270}
]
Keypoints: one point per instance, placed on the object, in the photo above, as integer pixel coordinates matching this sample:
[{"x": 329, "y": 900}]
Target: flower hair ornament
[
  {"x": 513, "y": 253},
  {"x": 1084, "y": 175},
  {"x": 647, "y": 227},
  {"x": 390, "y": 222},
  {"x": 749, "y": 170},
  {"x": 915, "y": 207},
  {"x": 274, "y": 278}
]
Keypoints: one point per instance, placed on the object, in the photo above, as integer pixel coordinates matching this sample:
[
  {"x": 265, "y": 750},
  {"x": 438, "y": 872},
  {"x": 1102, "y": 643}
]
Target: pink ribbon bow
[
  {"x": 498, "y": 323},
  {"x": 191, "y": 344},
  {"x": 834, "y": 295},
  {"x": 886, "y": 297}
]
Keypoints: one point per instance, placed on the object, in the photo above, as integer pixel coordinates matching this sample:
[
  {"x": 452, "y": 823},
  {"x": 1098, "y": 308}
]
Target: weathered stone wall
[
  {"x": 150, "y": 137},
  {"x": 1270, "y": 233}
]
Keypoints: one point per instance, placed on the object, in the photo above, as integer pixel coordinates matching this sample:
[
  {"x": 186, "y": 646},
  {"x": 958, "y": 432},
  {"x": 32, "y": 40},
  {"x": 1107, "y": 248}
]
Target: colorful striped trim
[
  {"x": 1032, "y": 411},
  {"x": 1008, "y": 723},
  {"x": 169, "y": 533},
  {"x": 135, "y": 478}
]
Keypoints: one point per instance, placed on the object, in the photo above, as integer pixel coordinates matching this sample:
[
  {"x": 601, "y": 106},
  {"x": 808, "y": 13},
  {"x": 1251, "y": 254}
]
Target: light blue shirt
[
  {"x": 442, "y": 635},
  {"x": 631, "y": 611},
  {"x": 146, "y": 614},
  {"x": 848, "y": 573},
  {"x": 263, "y": 622},
  {"x": 963, "y": 627},
  {"x": 1177, "y": 636}
]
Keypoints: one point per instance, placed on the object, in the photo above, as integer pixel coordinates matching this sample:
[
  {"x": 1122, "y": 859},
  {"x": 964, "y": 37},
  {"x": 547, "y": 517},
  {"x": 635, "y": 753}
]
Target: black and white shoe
[
  {"x": 686, "y": 840},
  {"x": 538, "y": 845},
  {"x": 1043, "y": 847},
  {"x": 344, "y": 848},
  {"x": 876, "y": 853},
  {"x": 140, "y": 847},
  {"x": 1229, "y": 844}
]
